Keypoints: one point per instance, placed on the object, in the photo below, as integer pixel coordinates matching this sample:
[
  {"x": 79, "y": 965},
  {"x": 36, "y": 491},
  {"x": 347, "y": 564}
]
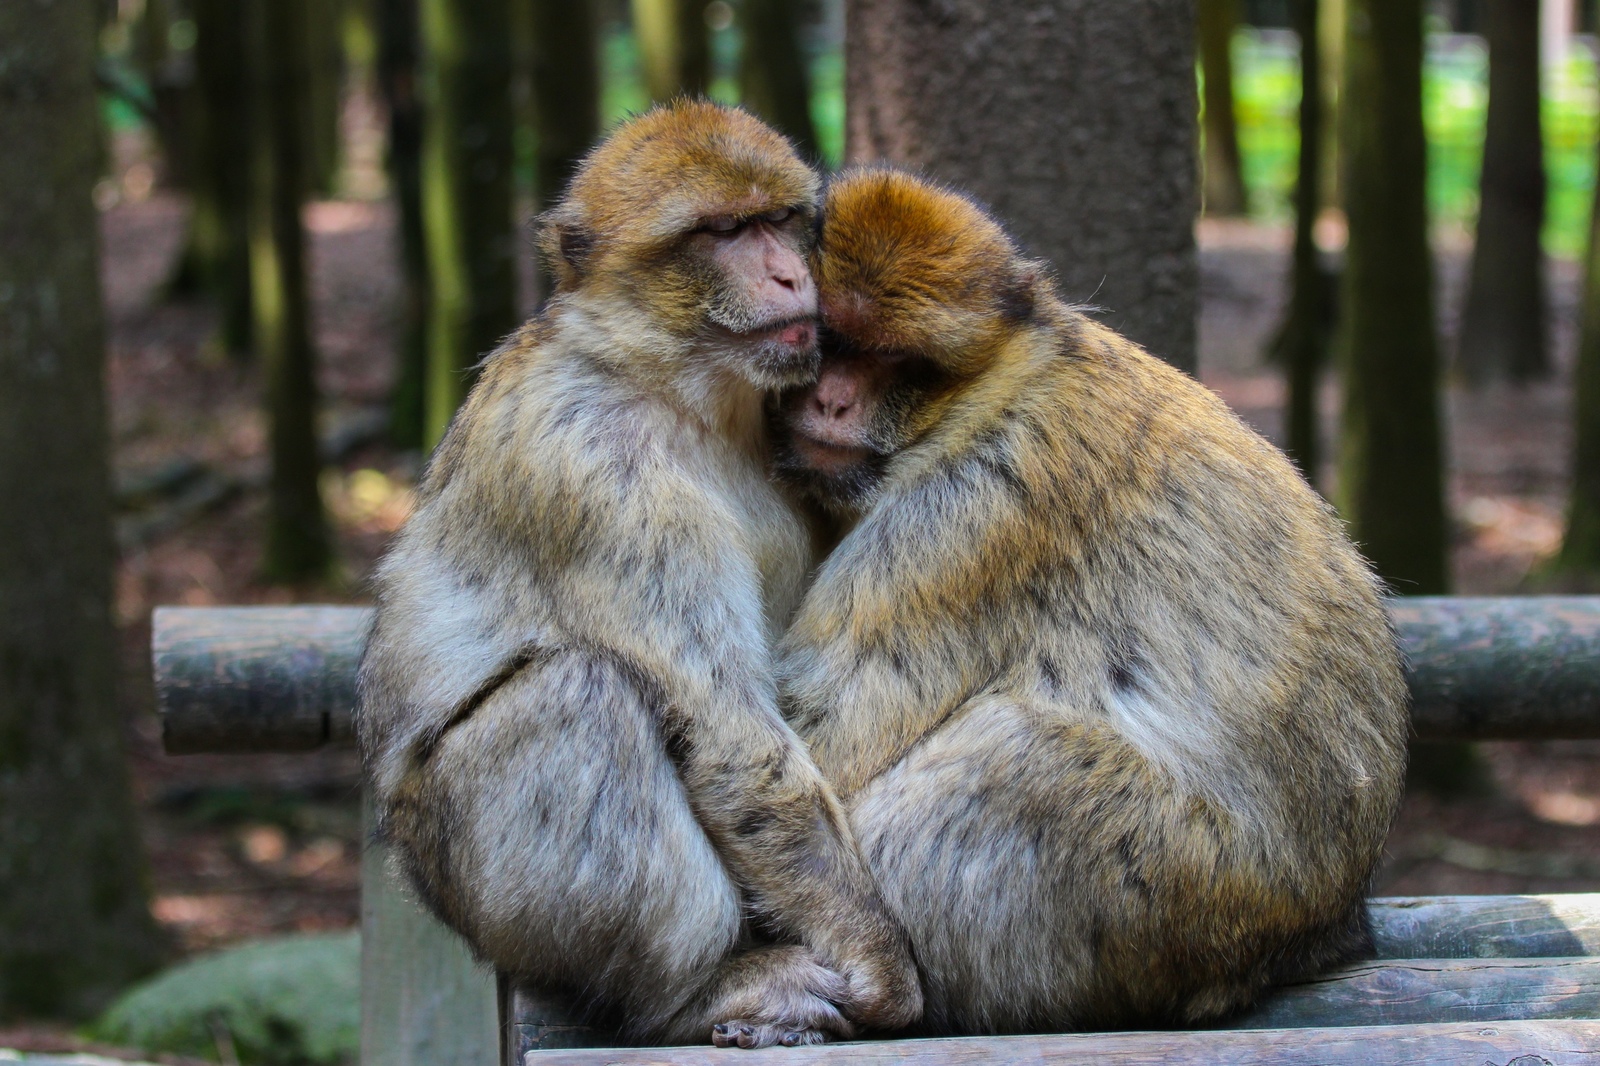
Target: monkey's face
[
  {"x": 833, "y": 439},
  {"x": 689, "y": 229},
  {"x": 919, "y": 289},
  {"x": 760, "y": 303}
]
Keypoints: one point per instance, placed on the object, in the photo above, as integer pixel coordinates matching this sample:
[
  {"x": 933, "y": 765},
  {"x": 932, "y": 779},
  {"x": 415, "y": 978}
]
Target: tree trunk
[
  {"x": 322, "y": 94},
  {"x": 566, "y": 91},
  {"x": 1224, "y": 183},
  {"x": 398, "y": 61},
  {"x": 674, "y": 47},
  {"x": 217, "y": 258},
  {"x": 1503, "y": 321},
  {"x": 1390, "y": 473},
  {"x": 773, "y": 80},
  {"x": 1580, "y": 549},
  {"x": 1302, "y": 341},
  {"x": 297, "y": 539},
  {"x": 466, "y": 194},
  {"x": 74, "y": 916},
  {"x": 1075, "y": 121}
]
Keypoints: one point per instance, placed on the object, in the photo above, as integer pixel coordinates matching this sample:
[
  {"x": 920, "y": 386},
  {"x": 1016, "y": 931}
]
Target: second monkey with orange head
[{"x": 1110, "y": 698}]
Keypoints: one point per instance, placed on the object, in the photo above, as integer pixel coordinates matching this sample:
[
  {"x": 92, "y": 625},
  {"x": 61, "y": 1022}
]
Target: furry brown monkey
[
  {"x": 1113, "y": 703},
  {"x": 567, "y": 711}
]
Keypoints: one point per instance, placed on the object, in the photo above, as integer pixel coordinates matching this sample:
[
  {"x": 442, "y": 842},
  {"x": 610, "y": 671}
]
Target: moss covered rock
[{"x": 287, "y": 1000}]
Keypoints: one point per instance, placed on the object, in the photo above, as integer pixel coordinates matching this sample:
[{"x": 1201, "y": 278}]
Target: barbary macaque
[
  {"x": 1113, "y": 703},
  {"x": 567, "y": 707}
]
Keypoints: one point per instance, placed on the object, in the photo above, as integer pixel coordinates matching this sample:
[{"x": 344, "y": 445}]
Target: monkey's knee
[{"x": 574, "y": 839}]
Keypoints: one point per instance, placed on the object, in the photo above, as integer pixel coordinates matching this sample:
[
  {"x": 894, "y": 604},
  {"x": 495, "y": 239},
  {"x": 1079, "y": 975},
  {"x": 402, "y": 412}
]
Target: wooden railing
[{"x": 1455, "y": 979}]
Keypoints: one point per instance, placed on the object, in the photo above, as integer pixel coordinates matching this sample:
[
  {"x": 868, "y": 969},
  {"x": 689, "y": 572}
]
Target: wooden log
[
  {"x": 283, "y": 678},
  {"x": 1558, "y": 1043},
  {"x": 252, "y": 679},
  {"x": 1502, "y": 667},
  {"x": 1486, "y": 927},
  {"x": 1413, "y": 991}
]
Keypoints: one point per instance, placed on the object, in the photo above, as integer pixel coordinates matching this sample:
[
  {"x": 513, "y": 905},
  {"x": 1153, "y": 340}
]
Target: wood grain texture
[
  {"x": 1486, "y": 927},
  {"x": 251, "y": 679},
  {"x": 283, "y": 678},
  {"x": 425, "y": 1001},
  {"x": 1414, "y": 991},
  {"x": 1569, "y": 1043}
]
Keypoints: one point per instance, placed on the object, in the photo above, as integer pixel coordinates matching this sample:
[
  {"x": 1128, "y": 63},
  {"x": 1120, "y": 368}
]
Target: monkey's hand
[
  {"x": 884, "y": 990},
  {"x": 778, "y": 995}
]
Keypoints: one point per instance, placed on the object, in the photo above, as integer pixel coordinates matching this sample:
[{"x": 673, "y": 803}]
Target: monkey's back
[{"x": 1165, "y": 688}]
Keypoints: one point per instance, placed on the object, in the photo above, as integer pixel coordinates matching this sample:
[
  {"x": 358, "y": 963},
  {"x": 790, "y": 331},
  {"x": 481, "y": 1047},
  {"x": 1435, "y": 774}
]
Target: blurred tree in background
[
  {"x": 216, "y": 259},
  {"x": 399, "y": 61},
  {"x": 1224, "y": 182},
  {"x": 773, "y": 80},
  {"x": 75, "y": 922},
  {"x": 467, "y": 210},
  {"x": 1078, "y": 129},
  {"x": 1301, "y": 345},
  {"x": 297, "y": 537},
  {"x": 566, "y": 92},
  {"x": 1578, "y": 562},
  {"x": 1391, "y": 478},
  {"x": 1502, "y": 324},
  {"x": 674, "y": 47}
]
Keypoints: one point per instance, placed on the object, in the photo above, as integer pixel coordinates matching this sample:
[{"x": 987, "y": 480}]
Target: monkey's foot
[{"x": 757, "y": 1035}]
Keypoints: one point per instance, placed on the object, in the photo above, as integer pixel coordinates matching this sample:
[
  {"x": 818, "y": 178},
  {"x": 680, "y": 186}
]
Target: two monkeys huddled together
[{"x": 969, "y": 671}]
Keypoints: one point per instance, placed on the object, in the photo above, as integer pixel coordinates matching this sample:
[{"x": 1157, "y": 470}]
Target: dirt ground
[{"x": 245, "y": 846}]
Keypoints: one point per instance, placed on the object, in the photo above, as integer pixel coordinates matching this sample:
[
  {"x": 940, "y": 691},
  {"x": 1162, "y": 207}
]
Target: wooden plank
[
  {"x": 251, "y": 679},
  {"x": 1560, "y": 1043},
  {"x": 283, "y": 678},
  {"x": 1486, "y": 927},
  {"x": 424, "y": 1000},
  {"x": 1412, "y": 991},
  {"x": 534, "y": 1021},
  {"x": 1502, "y": 667}
]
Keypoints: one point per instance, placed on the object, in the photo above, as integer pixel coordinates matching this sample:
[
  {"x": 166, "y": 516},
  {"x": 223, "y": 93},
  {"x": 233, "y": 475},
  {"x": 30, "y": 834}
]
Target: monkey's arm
[
  {"x": 676, "y": 597},
  {"x": 884, "y": 647}
]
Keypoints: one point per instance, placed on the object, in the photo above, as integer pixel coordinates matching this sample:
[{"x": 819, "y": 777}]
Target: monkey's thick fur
[
  {"x": 1113, "y": 702},
  {"x": 567, "y": 707}
]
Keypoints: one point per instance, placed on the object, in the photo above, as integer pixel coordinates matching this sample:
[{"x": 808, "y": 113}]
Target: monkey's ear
[
  {"x": 566, "y": 243},
  {"x": 1016, "y": 295}
]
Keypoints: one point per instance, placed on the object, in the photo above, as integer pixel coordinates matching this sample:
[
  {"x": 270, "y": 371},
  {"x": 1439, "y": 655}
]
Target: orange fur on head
[
  {"x": 905, "y": 265},
  {"x": 664, "y": 173}
]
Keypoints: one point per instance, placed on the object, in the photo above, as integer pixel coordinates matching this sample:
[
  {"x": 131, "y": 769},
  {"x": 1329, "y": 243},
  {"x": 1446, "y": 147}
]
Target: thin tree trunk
[
  {"x": 773, "y": 80},
  {"x": 322, "y": 95},
  {"x": 466, "y": 194},
  {"x": 297, "y": 540},
  {"x": 1391, "y": 482},
  {"x": 398, "y": 63},
  {"x": 1580, "y": 549},
  {"x": 1302, "y": 341},
  {"x": 1075, "y": 121},
  {"x": 1224, "y": 181},
  {"x": 566, "y": 90},
  {"x": 1503, "y": 321},
  {"x": 74, "y": 914},
  {"x": 217, "y": 258},
  {"x": 674, "y": 47}
]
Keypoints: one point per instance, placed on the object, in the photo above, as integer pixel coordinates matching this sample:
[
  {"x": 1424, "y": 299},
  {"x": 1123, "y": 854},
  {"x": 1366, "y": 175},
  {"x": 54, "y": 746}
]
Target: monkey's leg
[
  {"x": 1051, "y": 878},
  {"x": 558, "y": 837}
]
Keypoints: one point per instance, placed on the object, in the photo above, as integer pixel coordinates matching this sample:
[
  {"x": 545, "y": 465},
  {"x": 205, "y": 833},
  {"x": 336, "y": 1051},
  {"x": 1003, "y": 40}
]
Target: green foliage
[
  {"x": 288, "y": 1000},
  {"x": 1455, "y": 101}
]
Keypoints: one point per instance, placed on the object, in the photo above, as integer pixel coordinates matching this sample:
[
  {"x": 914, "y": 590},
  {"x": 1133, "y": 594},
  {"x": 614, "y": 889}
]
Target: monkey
[
  {"x": 1111, "y": 699},
  {"x": 567, "y": 707}
]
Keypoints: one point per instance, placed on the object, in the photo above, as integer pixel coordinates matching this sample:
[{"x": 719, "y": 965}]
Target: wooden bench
[{"x": 1465, "y": 979}]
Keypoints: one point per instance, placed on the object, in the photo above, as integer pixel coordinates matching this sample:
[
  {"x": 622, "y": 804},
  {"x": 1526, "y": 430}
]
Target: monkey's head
[
  {"x": 919, "y": 289},
  {"x": 688, "y": 232}
]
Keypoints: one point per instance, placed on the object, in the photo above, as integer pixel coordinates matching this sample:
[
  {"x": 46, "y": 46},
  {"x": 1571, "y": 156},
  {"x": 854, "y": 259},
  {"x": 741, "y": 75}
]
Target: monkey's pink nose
[{"x": 834, "y": 396}]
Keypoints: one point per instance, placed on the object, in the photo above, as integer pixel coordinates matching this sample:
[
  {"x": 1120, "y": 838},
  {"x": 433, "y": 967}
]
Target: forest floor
[{"x": 243, "y": 846}]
